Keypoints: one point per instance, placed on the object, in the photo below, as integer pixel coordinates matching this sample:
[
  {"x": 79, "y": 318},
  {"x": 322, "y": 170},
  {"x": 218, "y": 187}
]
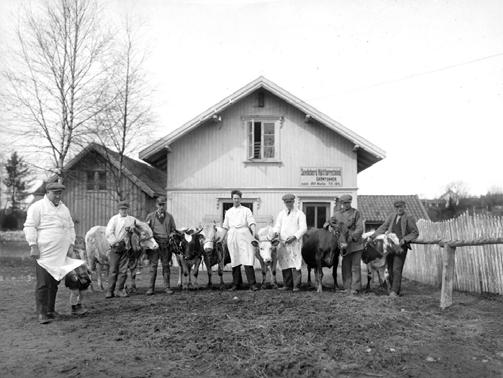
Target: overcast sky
[{"x": 422, "y": 80}]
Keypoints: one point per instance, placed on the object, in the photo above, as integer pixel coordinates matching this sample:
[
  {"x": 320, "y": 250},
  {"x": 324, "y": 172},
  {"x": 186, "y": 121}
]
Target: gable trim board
[{"x": 368, "y": 153}]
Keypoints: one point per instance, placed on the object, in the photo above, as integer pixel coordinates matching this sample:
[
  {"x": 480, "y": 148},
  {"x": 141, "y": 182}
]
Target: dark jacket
[
  {"x": 353, "y": 221},
  {"x": 408, "y": 225}
]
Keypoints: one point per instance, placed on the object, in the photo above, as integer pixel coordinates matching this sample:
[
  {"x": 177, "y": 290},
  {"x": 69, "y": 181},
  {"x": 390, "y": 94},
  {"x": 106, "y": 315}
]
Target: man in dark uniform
[
  {"x": 162, "y": 225},
  {"x": 404, "y": 226},
  {"x": 351, "y": 269}
]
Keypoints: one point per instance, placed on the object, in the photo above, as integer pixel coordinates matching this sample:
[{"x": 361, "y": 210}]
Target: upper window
[
  {"x": 96, "y": 180},
  {"x": 263, "y": 139}
]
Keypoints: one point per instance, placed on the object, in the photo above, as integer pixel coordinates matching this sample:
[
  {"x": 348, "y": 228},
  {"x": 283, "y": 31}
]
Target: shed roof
[
  {"x": 375, "y": 208},
  {"x": 150, "y": 180},
  {"x": 367, "y": 153}
]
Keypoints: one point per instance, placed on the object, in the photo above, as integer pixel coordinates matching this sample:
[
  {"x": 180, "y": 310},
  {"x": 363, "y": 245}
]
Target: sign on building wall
[{"x": 321, "y": 176}]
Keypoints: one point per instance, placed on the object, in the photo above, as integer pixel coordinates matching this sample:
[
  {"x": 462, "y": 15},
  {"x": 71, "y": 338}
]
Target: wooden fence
[{"x": 472, "y": 242}]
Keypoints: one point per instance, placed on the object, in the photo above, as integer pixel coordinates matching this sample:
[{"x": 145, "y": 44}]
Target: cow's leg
[
  {"x": 369, "y": 277},
  {"x": 180, "y": 270},
  {"x": 197, "y": 263},
  {"x": 189, "y": 276},
  {"x": 263, "y": 268},
  {"x": 319, "y": 272},
  {"x": 274, "y": 264},
  {"x": 207, "y": 262},
  {"x": 166, "y": 257},
  {"x": 132, "y": 265},
  {"x": 99, "y": 267},
  {"x": 221, "y": 274},
  {"x": 309, "y": 283}
]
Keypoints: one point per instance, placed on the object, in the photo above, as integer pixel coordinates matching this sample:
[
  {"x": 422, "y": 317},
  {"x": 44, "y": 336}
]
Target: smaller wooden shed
[{"x": 90, "y": 193}]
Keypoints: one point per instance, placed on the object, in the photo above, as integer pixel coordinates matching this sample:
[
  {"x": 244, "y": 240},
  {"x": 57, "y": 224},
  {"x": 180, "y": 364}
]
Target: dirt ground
[{"x": 210, "y": 333}]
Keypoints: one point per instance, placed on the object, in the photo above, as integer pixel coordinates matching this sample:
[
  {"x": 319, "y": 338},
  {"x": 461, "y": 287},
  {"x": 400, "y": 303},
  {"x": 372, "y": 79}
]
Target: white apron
[
  {"x": 53, "y": 244},
  {"x": 240, "y": 248},
  {"x": 290, "y": 255}
]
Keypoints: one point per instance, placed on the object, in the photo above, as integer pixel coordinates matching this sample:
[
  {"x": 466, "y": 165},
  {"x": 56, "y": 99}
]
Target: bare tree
[
  {"x": 122, "y": 125},
  {"x": 55, "y": 86}
]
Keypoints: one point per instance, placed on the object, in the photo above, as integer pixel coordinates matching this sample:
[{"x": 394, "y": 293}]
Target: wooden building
[
  {"x": 265, "y": 142},
  {"x": 90, "y": 191},
  {"x": 375, "y": 208}
]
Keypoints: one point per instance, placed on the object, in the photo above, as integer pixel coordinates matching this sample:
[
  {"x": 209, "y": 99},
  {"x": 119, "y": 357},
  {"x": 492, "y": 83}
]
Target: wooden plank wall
[{"x": 478, "y": 268}]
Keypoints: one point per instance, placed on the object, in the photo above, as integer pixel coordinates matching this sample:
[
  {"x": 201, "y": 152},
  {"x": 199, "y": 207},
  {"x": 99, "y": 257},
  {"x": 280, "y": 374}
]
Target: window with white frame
[{"x": 263, "y": 139}]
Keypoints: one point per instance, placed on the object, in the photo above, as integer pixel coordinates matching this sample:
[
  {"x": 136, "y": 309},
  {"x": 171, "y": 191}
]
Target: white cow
[{"x": 266, "y": 254}]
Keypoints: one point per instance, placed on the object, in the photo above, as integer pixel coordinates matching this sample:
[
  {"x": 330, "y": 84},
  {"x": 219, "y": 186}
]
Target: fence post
[{"x": 448, "y": 270}]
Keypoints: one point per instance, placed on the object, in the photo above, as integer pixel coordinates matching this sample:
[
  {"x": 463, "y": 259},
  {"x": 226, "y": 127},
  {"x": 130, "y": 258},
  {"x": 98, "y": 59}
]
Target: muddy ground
[{"x": 209, "y": 333}]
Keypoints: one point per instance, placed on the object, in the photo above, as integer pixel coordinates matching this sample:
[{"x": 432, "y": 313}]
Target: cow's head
[
  {"x": 142, "y": 237},
  {"x": 266, "y": 243},
  {"x": 341, "y": 234},
  {"x": 191, "y": 244},
  {"x": 211, "y": 234}
]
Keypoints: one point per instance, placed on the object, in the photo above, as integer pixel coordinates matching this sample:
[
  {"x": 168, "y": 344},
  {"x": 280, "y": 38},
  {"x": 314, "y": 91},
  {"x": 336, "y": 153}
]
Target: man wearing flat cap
[
  {"x": 352, "y": 219},
  {"x": 116, "y": 233},
  {"x": 162, "y": 224},
  {"x": 50, "y": 232},
  {"x": 290, "y": 226},
  {"x": 405, "y": 228}
]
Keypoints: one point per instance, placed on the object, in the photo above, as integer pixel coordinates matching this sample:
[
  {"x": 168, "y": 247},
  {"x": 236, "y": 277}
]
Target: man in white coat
[
  {"x": 50, "y": 233},
  {"x": 291, "y": 226},
  {"x": 240, "y": 224}
]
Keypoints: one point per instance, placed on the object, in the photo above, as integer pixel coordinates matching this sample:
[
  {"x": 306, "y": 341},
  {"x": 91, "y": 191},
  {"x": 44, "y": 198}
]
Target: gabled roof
[
  {"x": 375, "y": 208},
  {"x": 368, "y": 153},
  {"x": 150, "y": 180}
]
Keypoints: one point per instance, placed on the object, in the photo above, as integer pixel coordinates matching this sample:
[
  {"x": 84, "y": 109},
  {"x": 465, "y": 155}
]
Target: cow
[
  {"x": 215, "y": 251},
  {"x": 139, "y": 238},
  {"x": 266, "y": 254},
  {"x": 374, "y": 255},
  {"x": 188, "y": 249},
  {"x": 321, "y": 248}
]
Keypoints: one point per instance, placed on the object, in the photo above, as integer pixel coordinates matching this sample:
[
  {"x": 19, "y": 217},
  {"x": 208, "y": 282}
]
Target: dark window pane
[
  {"x": 102, "y": 180},
  {"x": 310, "y": 216},
  {"x": 268, "y": 152},
  {"x": 257, "y": 139},
  {"x": 90, "y": 180},
  {"x": 261, "y": 98},
  {"x": 321, "y": 217}
]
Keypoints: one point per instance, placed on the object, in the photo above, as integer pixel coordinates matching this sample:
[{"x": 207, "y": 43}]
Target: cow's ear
[
  {"x": 275, "y": 242},
  {"x": 254, "y": 243}
]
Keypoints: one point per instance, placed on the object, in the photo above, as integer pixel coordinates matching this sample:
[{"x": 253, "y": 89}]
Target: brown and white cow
[
  {"x": 188, "y": 248},
  {"x": 375, "y": 254},
  {"x": 215, "y": 251},
  {"x": 267, "y": 255},
  {"x": 321, "y": 248},
  {"x": 138, "y": 240}
]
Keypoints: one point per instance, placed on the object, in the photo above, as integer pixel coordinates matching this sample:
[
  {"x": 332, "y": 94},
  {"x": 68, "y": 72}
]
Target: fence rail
[{"x": 471, "y": 246}]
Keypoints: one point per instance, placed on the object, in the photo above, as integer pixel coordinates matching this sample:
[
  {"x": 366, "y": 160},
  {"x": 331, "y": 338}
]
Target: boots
[
  {"x": 296, "y": 278},
  {"x": 250, "y": 277},
  {"x": 165, "y": 275},
  {"x": 287, "y": 279},
  {"x": 78, "y": 309},
  {"x": 237, "y": 279},
  {"x": 153, "y": 276}
]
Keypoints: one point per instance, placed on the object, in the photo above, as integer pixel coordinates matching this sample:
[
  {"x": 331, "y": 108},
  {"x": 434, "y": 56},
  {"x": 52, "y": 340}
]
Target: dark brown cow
[
  {"x": 321, "y": 248},
  {"x": 188, "y": 249}
]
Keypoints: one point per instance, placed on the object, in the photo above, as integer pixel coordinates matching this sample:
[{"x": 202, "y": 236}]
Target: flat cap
[
  {"x": 161, "y": 200},
  {"x": 56, "y": 186},
  {"x": 288, "y": 197},
  {"x": 398, "y": 203},
  {"x": 123, "y": 205},
  {"x": 345, "y": 198}
]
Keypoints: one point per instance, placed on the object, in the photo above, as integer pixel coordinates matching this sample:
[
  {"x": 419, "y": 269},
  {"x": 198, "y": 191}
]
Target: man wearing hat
[
  {"x": 290, "y": 226},
  {"x": 351, "y": 269},
  {"x": 116, "y": 233},
  {"x": 50, "y": 232},
  {"x": 162, "y": 224},
  {"x": 405, "y": 228}
]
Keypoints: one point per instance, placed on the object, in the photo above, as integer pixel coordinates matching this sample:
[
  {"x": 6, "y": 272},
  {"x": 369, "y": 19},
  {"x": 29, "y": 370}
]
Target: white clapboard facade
[{"x": 265, "y": 142}]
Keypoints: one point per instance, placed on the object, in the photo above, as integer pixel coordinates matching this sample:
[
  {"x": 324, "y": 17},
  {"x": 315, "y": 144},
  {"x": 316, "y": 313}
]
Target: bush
[{"x": 12, "y": 220}]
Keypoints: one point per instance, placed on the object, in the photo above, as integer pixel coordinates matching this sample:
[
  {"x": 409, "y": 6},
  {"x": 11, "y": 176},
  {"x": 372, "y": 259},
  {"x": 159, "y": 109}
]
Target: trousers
[
  {"x": 395, "y": 268},
  {"x": 164, "y": 254},
  {"x": 45, "y": 291},
  {"x": 351, "y": 271},
  {"x": 118, "y": 267}
]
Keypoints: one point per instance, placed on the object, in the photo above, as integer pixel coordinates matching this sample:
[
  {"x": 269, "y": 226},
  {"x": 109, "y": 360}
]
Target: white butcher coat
[
  {"x": 237, "y": 221},
  {"x": 293, "y": 224},
  {"x": 51, "y": 228}
]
